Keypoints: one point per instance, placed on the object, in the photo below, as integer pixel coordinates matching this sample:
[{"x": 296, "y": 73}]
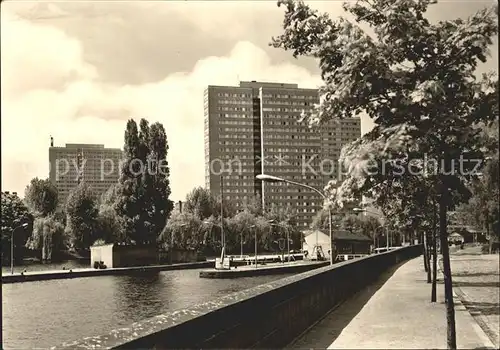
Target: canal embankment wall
[
  {"x": 266, "y": 316},
  {"x": 252, "y": 271},
  {"x": 79, "y": 273}
]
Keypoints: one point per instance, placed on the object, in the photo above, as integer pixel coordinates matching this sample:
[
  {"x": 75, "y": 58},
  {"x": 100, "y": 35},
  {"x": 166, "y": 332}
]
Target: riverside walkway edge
[
  {"x": 79, "y": 273},
  {"x": 394, "y": 313}
]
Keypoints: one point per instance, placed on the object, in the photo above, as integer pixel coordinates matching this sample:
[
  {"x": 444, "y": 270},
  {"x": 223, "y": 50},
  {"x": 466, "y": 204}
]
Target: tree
[
  {"x": 47, "y": 237},
  {"x": 351, "y": 222},
  {"x": 482, "y": 209},
  {"x": 41, "y": 197},
  {"x": 201, "y": 203},
  {"x": 253, "y": 205},
  {"x": 365, "y": 225},
  {"x": 183, "y": 231},
  {"x": 14, "y": 214},
  {"x": 81, "y": 221},
  {"x": 143, "y": 199},
  {"x": 241, "y": 232},
  {"x": 280, "y": 220},
  {"x": 320, "y": 220},
  {"x": 212, "y": 235},
  {"x": 415, "y": 80},
  {"x": 110, "y": 227}
]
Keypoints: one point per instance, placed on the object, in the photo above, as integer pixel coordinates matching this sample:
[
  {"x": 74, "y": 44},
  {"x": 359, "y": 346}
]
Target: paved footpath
[
  {"x": 476, "y": 281},
  {"x": 396, "y": 314}
]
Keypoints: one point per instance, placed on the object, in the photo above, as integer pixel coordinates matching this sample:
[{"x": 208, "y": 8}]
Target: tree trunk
[
  {"x": 426, "y": 257},
  {"x": 424, "y": 247},
  {"x": 448, "y": 288},
  {"x": 434, "y": 255},
  {"x": 490, "y": 241}
]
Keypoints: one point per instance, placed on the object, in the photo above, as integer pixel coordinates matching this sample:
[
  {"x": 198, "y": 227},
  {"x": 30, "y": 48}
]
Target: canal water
[{"x": 39, "y": 315}]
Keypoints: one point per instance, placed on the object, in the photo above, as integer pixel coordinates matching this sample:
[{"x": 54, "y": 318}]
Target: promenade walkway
[{"x": 394, "y": 313}]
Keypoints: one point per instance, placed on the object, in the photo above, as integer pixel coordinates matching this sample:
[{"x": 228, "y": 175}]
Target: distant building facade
[
  {"x": 97, "y": 166},
  {"x": 255, "y": 128}
]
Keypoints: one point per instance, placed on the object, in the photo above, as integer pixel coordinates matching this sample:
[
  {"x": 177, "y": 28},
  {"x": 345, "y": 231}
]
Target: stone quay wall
[{"x": 267, "y": 316}]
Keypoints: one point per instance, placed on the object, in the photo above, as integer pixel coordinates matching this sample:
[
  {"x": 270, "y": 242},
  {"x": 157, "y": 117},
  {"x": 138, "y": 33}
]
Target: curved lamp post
[
  {"x": 363, "y": 210},
  {"x": 270, "y": 178},
  {"x": 22, "y": 226}
]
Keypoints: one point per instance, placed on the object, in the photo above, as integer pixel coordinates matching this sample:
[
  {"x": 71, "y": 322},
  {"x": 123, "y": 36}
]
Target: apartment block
[
  {"x": 97, "y": 166},
  {"x": 256, "y": 128}
]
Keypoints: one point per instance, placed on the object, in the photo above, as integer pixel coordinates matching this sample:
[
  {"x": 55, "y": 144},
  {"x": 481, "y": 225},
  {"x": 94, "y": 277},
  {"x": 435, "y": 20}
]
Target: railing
[{"x": 345, "y": 257}]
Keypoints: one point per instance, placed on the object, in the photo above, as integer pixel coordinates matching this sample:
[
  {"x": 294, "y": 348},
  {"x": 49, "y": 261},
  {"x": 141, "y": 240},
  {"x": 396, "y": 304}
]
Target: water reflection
[
  {"x": 48, "y": 313},
  {"x": 130, "y": 293}
]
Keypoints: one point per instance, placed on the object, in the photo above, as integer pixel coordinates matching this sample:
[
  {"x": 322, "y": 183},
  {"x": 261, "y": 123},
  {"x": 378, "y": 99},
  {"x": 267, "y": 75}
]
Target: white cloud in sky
[{"x": 48, "y": 89}]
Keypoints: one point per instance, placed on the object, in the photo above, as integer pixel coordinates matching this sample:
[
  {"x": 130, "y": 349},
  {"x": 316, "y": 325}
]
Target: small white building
[
  {"x": 310, "y": 241},
  {"x": 344, "y": 242},
  {"x": 456, "y": 238}
]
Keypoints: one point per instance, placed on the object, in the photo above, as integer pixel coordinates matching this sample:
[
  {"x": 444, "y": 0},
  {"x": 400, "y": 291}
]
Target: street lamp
[
  {"x": 375, "y": 236},
  {"x": 363, "y": 210},
  {"x": 241, "y": 244},
  {"x": 25, "y": 225},
  {"x": 270, "y": 178},
  {"x": 273, "y": 222},
  {"x": 222, "y": 235},
  {"x": 255, "y": 238}
]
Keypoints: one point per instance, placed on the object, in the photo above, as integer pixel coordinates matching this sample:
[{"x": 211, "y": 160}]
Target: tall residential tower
[{"x": 255, "y": 128}]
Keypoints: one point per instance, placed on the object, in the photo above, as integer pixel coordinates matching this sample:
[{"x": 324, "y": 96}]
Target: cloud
[{"x": 49, "y": 89}]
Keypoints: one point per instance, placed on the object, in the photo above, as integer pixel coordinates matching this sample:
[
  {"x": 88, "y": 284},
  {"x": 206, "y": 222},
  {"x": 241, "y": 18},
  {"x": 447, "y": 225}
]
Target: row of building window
[
  {"x": 293, "y": 137},
  {"x": 239, "y": 177},
  {"x": 284, "y": 109},
  {"x": 244, "y": 197},
  {"x": 237, "y": 116},
  {"x": 237, "y": 190},
  {"x": 236, "y": 150},
  {"x": 238, "y": 122},
  {"x": 230, "y": 136},
  {"x": 281, "y": 117},
  {"x": 280, "y": 122},
  {"x": 296, "y": 144},
  {"x": 234, "y": 109},
  {"x": 310, "y": 195},
  {"x": 227, "y": 94},
  {"x": 236, "y": 130},
  {"x": 287, "y": 103},
  {"x": 333, "y": 147},
  {"x": 234, "y": 102},
  {"x": 305, "y": 97},
  {"x": 237, "y": 142}
]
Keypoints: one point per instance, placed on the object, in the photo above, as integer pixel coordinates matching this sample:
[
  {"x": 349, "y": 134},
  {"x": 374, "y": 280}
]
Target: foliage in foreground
[{"x": 417, "y": 81}]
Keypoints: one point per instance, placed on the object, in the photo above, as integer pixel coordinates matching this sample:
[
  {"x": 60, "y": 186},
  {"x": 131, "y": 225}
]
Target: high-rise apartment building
[
  {"x": 97, "y": 166},
  {"x": 256, "y": 128}
]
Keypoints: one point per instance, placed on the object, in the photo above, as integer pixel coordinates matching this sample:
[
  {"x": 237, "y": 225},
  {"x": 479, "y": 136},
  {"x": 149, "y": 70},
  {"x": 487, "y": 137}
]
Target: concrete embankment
[
  {"x": 262, "y": 270},
  {"x": 269, "y": 316},
  {"x": 79, "y": 273}
]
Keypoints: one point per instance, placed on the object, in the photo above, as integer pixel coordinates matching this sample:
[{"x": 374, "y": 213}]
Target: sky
[{"x": 78, "y": 71}]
